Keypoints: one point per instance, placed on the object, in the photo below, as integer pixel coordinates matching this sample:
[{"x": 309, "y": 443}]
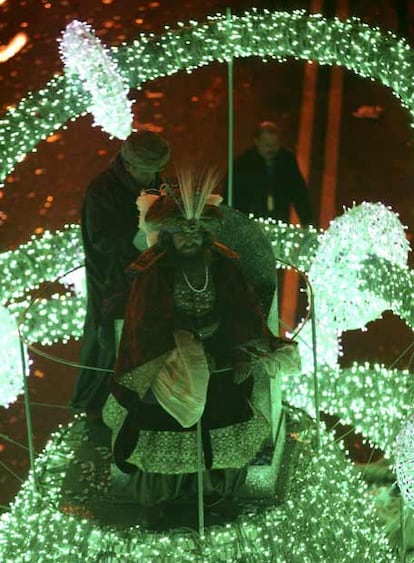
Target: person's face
[
  {"x": 187, "y": 244},
  {"x": 267, "y": 145},
  {"x": 143, "y": 177}
]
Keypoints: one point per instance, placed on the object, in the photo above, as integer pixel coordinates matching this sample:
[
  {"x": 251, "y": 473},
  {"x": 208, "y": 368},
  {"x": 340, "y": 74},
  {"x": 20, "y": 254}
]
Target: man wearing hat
[
  {"x": 193, "y": 335},
  {"x": 193, "y": 340},
  {"x": 109, "y": 227}
]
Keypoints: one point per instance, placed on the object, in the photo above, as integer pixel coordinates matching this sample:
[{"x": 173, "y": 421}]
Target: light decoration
[
  {"x": 15, "y": 45},
  {"x": 371, "y": 398},
  {"x": 37, "y": 117},
  {"x": 404, "y": 461},
  {"x": 11, "y": 373},
  {"x": 269, "y": 35},
  {"x": 365, "y": 230},
  {"x": 42, "y": 259},
  {"x": 292, "y": 244},
  {"x": 341, "y": 301},
  {"x": 56, "y": 319},
  {"x": 85, "y": 57},
  {"x": 328, "y": 507},
  {"x": 392, "y": 284},
  {"x": 328, "y": 344},
  {"x": 76, "y": 281}
]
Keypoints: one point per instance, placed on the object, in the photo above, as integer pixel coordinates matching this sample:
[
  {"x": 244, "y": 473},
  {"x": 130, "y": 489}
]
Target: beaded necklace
[{"x": 190, "y": 285}]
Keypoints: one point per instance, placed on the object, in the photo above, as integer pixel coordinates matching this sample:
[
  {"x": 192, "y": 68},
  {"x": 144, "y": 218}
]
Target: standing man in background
[{"x": 267, "y": 180}]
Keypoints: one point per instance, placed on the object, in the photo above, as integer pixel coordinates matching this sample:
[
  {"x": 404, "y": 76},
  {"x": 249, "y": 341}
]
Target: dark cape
[
  {"x": 109, "y": 222},
  {"x": 150, "y": 317},
  {"x": 256, "y": 255},
  {"x": 150, "y": 321}
]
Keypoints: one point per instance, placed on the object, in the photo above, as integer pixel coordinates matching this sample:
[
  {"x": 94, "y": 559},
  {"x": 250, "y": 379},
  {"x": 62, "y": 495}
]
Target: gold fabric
[
  {"x": 176, "y": 452},
  {"x": 141, "y": 378}
]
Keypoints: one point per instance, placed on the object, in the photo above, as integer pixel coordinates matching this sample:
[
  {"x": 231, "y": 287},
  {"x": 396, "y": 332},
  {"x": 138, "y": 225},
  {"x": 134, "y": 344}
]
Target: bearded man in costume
[{"x": 193, "y": 339}]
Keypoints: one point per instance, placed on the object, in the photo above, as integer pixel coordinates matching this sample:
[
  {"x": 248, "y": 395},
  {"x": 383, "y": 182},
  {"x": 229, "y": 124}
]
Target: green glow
[
  {"x": 87, "y": 59},
  {"x": 328, "y": 513},
  {"x": 277, "y": 35}
]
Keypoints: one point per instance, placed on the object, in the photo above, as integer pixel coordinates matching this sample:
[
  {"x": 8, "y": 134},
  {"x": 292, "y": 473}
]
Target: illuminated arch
[{"x": 280, "y": 35}]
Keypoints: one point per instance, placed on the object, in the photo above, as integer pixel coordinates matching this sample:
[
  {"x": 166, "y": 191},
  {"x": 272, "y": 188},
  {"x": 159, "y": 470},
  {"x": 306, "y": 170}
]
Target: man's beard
[{"x": 200, "y": 255}]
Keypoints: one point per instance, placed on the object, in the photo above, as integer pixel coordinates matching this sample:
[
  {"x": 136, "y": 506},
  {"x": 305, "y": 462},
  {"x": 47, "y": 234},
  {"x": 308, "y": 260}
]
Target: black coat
[
  {"x": 109, "y": 223},
  {"x": 253, "y": 183}
]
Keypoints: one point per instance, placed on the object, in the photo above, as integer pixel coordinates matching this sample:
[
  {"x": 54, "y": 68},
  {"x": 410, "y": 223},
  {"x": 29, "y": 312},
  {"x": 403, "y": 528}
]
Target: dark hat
[{"x": 146, "y": 151}]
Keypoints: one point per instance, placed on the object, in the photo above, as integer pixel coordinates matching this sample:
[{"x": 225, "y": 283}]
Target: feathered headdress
[{"x": 188, "y": 206}]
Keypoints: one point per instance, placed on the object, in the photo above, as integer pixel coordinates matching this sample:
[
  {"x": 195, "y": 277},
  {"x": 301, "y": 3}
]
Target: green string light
[
  {"x": 278, "y": 35},
  {"x": 328, "y": 515},
  {"x": 371, "y": 398}
]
